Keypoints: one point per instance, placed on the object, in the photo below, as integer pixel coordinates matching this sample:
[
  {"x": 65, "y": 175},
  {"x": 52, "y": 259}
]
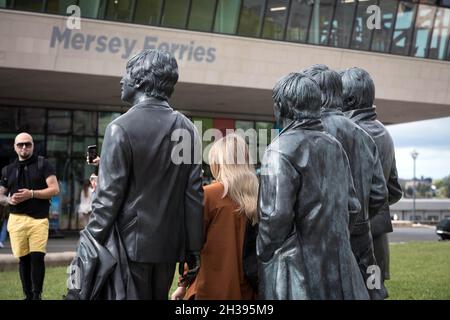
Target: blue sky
[{"x": 431, "y": 139}]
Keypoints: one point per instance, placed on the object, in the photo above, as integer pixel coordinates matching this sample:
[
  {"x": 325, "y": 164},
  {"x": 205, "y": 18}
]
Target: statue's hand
[{"x": 193, "y": 263}]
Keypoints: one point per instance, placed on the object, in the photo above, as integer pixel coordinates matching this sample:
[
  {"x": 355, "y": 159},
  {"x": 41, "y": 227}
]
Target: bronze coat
[{"x": 306, "y": 197}]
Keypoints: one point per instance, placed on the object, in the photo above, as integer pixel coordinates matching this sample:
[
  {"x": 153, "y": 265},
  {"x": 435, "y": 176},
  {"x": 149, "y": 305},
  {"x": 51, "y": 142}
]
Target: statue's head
[
  {"x": 330, "y": 84},
  {"x": 296, "y": 96},
  {"x": 152, "y": 73},
  {"x": 358, "y": 89}
]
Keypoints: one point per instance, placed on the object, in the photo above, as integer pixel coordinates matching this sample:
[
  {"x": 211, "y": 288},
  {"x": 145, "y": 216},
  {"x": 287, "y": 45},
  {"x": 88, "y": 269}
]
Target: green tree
[{"x": 443, "y": 186}]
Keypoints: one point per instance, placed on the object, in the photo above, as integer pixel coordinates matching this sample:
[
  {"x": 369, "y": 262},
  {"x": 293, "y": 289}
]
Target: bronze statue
[
  {"x": 305, "y": 203},
  {"x": 365, "y": 166},
  {"x": 147, "y": 214},
  {"x": 358, "y": 96}
]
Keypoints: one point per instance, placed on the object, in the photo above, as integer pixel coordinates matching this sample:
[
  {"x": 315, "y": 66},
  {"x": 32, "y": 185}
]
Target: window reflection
[
  {"x": 440, "y": 34},
  {"x": 91, "y": 8},
  {"x": 32, "y": 120},
  {"x": 9, "y": 119},
  {"x": 401, "y": 41},
  {"x": 201, "y": 16},
  {"x": 299, "y": 17},
  {"x": 59, "y": 121},
  {"x": 84, "y": 123},
  {"x": 59, "y": 6},
  {"x": 104, "y": 119},
  {"x": 119, "y": 10},
  {"x": 361, "y": 33},
  {"x": 175, "y": 13},
  {"x": 382, "y": 37},
  {"x": 275, "y": 18},
  {"x": 422, "y": 30},
  {"x": 342, "y": 24},
  {"x": 148, "y": 12},
  {"x": 321, "y": 21},
  {"x": 29, "y": 5},
  {"x": 251, "y": 17},
  {"x": 227, "y": 16}
]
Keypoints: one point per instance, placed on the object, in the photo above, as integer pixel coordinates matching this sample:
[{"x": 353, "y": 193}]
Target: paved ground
[{"x": 407, "y": 234}]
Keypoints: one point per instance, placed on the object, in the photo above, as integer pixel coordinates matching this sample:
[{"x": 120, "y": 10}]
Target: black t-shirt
[{"x": 35, "y": 179}]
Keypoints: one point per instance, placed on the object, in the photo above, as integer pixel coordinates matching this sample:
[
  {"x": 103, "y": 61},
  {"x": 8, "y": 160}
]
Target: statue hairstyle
[
  {"x": 358, "y": 89},
  {"x": 330, "y": 84},
  {"x": 156, "y": 71},
  {"x": 297, "y": 96}
]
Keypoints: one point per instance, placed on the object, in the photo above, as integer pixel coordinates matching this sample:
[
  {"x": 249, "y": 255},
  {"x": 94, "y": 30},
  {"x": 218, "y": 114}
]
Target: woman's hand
[{"x": 179, "y": 293}]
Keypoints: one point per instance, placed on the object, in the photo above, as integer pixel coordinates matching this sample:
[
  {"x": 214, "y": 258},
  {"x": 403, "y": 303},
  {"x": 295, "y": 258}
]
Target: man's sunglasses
[{"x": 20, "y": 145}]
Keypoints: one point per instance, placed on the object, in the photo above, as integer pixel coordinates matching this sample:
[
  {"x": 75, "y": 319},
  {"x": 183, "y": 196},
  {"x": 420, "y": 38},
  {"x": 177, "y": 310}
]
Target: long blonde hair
[{"x": 229, "y": 160}]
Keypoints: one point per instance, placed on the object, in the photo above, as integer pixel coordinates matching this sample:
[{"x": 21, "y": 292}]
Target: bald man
[{"x": 27, "y": 185}]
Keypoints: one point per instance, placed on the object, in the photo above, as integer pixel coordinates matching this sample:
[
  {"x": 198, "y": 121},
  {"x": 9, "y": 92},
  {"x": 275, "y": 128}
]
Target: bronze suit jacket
[{"x": 156, "y": 202}]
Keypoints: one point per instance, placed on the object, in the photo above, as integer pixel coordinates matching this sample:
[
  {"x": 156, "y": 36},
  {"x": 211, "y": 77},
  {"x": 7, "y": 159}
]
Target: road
[{"x": 407, "y": 234}]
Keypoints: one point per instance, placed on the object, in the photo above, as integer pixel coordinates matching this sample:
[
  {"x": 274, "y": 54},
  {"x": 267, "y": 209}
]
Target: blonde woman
[{"x": 229, "y": 209}]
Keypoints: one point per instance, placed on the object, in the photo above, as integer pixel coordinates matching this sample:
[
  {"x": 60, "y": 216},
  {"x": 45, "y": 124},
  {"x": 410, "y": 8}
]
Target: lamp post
[{"x": 414, "y": 155}]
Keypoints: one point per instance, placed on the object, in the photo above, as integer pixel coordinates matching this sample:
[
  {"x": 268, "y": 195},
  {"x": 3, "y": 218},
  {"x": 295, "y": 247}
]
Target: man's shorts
[{"x": 27, "y": 234}]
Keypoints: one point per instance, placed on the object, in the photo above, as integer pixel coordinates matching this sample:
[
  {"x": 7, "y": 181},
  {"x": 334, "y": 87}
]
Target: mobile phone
[{"x": 92, "y": 153}]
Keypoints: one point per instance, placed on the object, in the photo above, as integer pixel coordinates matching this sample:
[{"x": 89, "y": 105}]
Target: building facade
[
  {"x": 426, "y": 210},
  {"x": 61, "y": 83}
]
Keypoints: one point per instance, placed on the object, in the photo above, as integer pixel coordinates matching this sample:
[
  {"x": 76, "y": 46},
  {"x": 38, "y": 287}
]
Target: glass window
[
  {"x": 251, "y": 17},
  {"x": 422, "y": 30},
  {"x": 402, "y": 37},
  {"x": 175, "y": 13},
  {"x": 203, "y": 124},
  {"x": 59, "y": 6},
  {"x": 264, "y": 131},
  {"x": 341, "y": 27},
  {"x": 32, "y": 120},
  {"x": 382, "y": 37},
  {"x": 440, "y": 34},
  {"x": 361, "y": 34},
  {"x": 244, "y": 125},
  {"x": 148, "y": 12},
  {"x": 9, "y": 119},
  {"x": 79, "y": 146},
  {"x": 119, "y": 10},
  {"x": 4, "y": 3},
  {"x": 7, "y": 153},
  {"x": 298, "y": 22},
  {"x": 59, "y": 121},
  {"x": 84, "y": 123},
  {"x": 29, "y": 5},
  {"x": 321, "y": 19},
  {"x": 202, "y": 14},
  {"x": 227, "y": 15},
  {"x": 448, "y": 49},
  {"x": 91, "y": 8},
  {"x": 223, "y": 124},
  {"x": 104, "y": 118},
  {"x": 275, "y": 19},
  {"x": 58, "y": 147}
]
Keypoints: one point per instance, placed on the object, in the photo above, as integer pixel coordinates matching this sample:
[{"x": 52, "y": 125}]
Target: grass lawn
[{"x": 419, "y": 270}]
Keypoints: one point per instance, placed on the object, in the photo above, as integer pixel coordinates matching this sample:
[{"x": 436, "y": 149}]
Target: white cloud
[
  {"x": 430, "y": 162},
  {"x": 431, "y": 138}
]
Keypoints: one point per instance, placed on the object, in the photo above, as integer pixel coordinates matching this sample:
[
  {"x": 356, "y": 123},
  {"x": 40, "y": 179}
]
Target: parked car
[{"x": 443, "y": 229}]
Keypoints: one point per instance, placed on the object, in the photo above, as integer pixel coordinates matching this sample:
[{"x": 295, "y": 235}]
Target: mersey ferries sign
[{"x": 126, "y": 46}]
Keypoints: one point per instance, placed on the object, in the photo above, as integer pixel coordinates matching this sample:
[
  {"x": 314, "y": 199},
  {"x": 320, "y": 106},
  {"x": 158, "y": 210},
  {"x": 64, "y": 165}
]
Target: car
[{"x": 443, "y": 229}]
